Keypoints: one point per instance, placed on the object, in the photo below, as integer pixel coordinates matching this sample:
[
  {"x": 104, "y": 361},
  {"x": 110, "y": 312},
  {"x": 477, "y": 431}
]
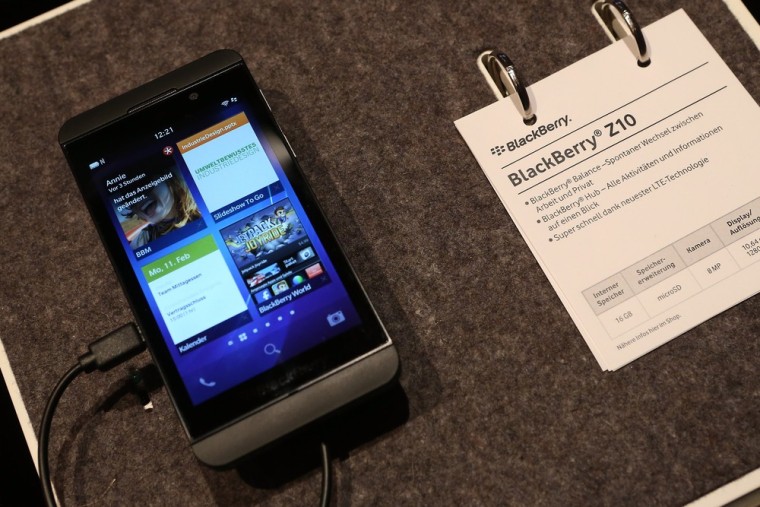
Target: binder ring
[
  {"x": 626, "y": 25},
  {"x": 506, "y": 80}
]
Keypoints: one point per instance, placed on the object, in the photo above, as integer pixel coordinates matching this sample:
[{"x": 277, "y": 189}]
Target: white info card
[{"x": 636, "y": 189}]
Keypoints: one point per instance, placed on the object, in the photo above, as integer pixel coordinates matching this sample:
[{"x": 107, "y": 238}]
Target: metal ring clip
[
  {"x": 619, "y": 22},
  {"x": 507, "y": 82}
]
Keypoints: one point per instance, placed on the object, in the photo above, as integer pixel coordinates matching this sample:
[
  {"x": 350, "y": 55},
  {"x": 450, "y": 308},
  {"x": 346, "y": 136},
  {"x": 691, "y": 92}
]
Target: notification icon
[{"x": 168, "y": 150}]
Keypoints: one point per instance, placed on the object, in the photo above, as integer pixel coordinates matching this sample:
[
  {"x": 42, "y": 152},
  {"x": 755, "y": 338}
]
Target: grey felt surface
[{"x": 506, "y": 403}]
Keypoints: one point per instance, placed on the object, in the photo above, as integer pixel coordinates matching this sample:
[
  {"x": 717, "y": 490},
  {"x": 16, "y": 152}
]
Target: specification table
[{"x": 682, "y": 269}]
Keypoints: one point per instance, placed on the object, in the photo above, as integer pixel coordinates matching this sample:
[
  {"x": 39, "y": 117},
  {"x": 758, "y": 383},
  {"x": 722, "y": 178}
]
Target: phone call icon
[{"x": 205, "y": 383}]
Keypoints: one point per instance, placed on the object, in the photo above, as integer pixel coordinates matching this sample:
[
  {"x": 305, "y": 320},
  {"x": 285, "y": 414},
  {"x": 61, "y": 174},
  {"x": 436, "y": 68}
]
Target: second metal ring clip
[{"x": 617, "y": 20}]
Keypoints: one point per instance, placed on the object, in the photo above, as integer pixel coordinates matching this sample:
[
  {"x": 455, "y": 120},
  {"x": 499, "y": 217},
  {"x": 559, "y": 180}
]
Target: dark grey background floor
[
  {"x": 18, "y": 477},
  {"x": 506, "y": 404},
  {"x": 14, "y": 12},
  {"x": 754, "y": 8},
  {"x": 19, "y": 484}
]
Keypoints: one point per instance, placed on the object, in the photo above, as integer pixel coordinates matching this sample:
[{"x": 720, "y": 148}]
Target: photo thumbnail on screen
[{"x": 151, "y": 200}]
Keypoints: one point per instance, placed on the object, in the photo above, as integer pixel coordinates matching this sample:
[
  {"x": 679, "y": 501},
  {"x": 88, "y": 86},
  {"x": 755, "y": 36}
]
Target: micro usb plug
[{"x": 113, "y": 349}]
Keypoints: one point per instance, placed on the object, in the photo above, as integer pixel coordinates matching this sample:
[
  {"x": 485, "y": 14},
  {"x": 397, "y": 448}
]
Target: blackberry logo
[{"x": 498, "y": 150}]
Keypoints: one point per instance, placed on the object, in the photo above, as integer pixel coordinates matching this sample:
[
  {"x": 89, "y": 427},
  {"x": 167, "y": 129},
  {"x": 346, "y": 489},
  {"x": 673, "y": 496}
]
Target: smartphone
[{"x": 250, "y": 309}]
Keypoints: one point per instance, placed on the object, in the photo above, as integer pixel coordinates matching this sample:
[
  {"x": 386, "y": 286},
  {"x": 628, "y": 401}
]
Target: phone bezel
[{"x": 214, "y": 72}]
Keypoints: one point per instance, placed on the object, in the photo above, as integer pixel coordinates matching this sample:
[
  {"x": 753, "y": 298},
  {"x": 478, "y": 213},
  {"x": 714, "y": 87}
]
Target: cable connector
[
  {"x": 105, "y": 353},
  {"x": 138, "y": 385},
  {"x": 113, "y": 349}
]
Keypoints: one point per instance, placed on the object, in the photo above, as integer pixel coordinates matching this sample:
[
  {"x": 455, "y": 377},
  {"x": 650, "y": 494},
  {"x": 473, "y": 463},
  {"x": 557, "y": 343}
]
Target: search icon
[{"x": 270, "y": 349}]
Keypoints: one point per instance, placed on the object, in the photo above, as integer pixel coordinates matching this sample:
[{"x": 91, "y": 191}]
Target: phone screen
[{"x": 203, "y": 210}]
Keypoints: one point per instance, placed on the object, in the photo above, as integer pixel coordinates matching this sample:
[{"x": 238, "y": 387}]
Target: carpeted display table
[{"x": 500, "y": 399}]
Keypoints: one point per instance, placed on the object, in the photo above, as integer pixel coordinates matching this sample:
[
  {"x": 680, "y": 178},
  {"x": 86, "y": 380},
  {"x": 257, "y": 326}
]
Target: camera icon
[
  {"x": 335, "y": 318},
  {"x": 306, "y": 254}
]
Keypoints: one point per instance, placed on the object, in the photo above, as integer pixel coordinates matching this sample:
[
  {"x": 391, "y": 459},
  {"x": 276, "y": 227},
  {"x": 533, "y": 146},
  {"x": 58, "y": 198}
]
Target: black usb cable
[
  {"x": 324, "y": 498},
  {"x": 105, "y": 353}
]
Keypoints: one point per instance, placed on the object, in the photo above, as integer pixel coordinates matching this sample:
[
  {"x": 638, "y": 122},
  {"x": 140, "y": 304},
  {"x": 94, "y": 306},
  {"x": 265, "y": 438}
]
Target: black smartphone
[{"x": 250, "y": 309}]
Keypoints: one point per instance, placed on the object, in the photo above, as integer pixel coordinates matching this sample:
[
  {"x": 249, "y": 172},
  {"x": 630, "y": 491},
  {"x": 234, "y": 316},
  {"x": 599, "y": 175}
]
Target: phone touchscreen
[{"x": 216, "y": 236}]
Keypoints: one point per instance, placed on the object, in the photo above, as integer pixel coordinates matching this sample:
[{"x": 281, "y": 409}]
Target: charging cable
[
  {"x": 326, "y": 476},
  {"x": 104, "y": 353}
]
